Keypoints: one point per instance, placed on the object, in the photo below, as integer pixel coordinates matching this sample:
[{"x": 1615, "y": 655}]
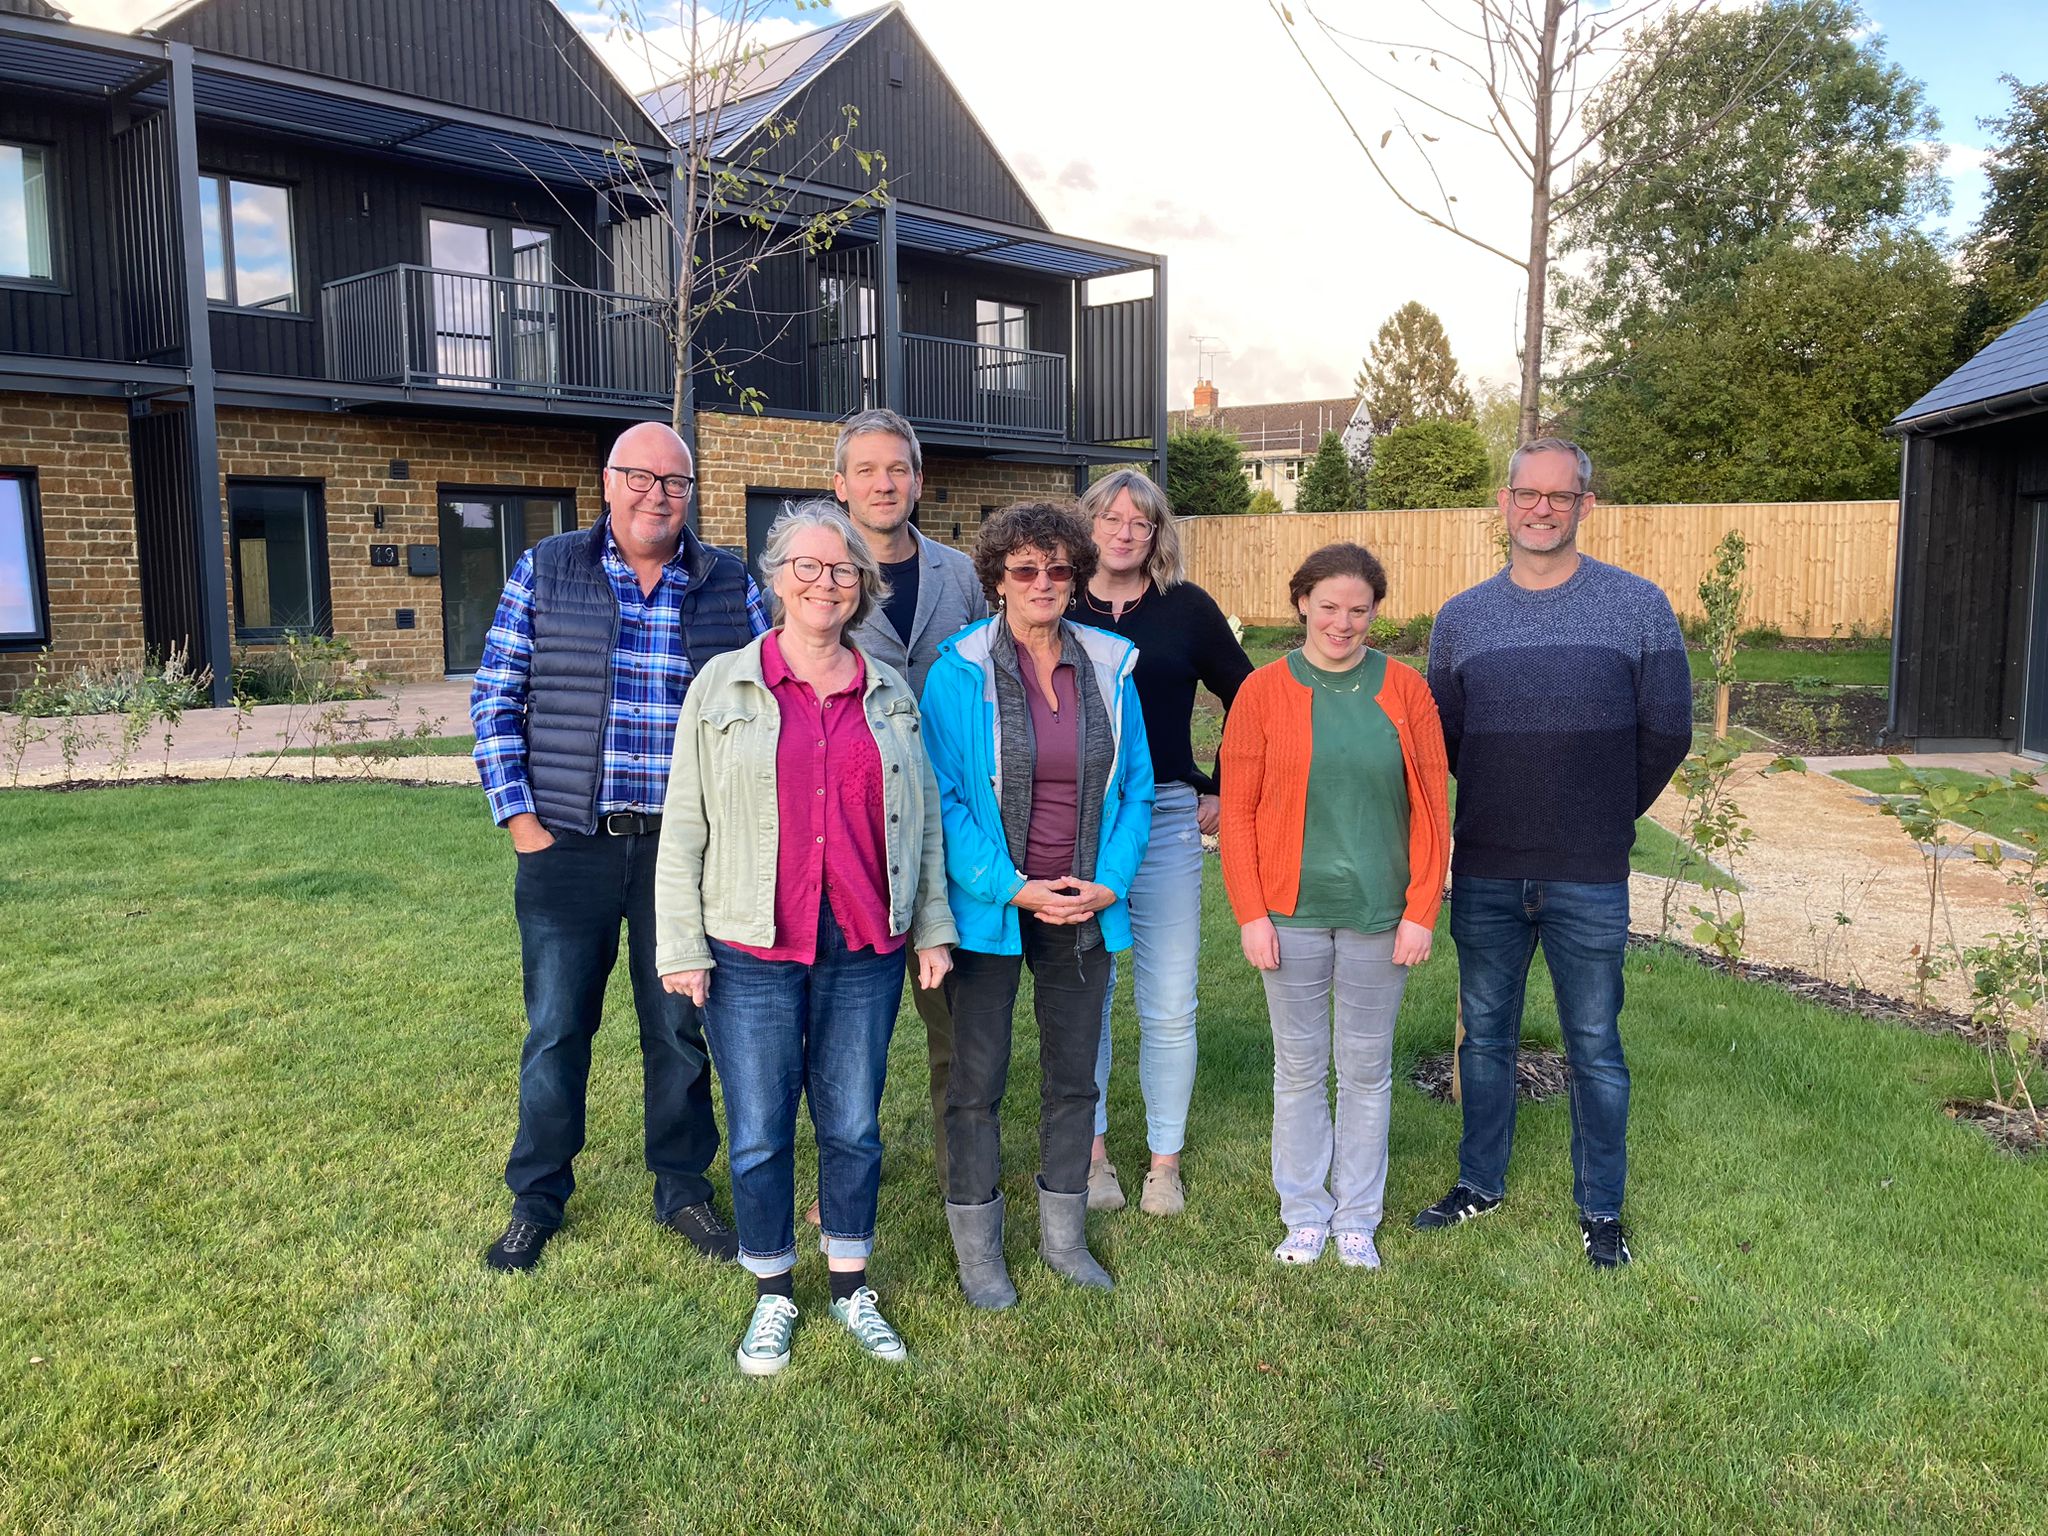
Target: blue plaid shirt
[{"x": 650, "y": 673}]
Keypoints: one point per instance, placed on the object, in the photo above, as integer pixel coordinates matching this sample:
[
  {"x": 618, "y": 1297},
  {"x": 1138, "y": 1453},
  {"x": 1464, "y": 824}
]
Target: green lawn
[
  {"x": 1865, "y": 665},
  {"x": 427, "y": 746},
  {"x": 2006, "y": 813},
  {"x": 258, "y": 1081}
]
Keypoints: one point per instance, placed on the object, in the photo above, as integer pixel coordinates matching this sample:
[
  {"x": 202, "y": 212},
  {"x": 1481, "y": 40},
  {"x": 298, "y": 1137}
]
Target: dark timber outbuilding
[{"x": 1970, "y": 611}]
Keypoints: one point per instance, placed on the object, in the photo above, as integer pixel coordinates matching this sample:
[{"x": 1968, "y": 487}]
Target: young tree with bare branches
[
  {"x": 745, "y": 196},
  {"x": 1518, "y": 75}
]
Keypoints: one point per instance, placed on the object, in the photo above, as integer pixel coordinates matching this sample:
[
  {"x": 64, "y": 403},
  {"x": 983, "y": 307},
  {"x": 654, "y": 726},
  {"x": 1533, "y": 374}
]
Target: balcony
[
  {"x": 965, "y": 386},
  {"x": 426, "y": 327}
]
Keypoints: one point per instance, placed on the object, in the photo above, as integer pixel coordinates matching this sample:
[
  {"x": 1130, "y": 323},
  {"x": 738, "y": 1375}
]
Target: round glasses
[
  {"x": 1138, "y": 530},
  {"x": 804, "y": 568}
]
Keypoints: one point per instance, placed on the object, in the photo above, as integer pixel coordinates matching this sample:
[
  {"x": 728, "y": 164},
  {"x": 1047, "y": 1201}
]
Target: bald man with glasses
[{"x": 592, "y": 649}]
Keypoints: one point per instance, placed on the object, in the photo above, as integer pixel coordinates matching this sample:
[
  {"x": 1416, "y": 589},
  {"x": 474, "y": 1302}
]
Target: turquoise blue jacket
[{"x": 959, "y": 711}]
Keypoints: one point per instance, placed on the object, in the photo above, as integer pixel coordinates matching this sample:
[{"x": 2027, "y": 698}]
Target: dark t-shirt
[
  {"x": 901, "y": 609},
  {"x": 1182, "y": 640}
]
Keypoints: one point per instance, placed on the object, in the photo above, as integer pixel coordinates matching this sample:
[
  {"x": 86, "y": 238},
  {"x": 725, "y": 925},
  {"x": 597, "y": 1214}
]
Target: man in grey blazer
[{"x": 878, "y": 471}]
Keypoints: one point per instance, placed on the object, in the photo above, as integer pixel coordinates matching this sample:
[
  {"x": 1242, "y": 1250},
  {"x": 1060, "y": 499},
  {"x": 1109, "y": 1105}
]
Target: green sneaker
[
  {"x": 764, "y": 1348},
  {"x": 870, "y": 1330}
]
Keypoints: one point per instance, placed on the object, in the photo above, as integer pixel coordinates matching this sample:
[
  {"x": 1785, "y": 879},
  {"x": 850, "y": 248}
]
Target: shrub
[
  {"x": 302, "y": 669},
  {"x": 1205, "y": 473},
  {"x": 1327, "y": 485},
  {"x": 1382, "y": 633},
  {"x": 1416, "y": 632},
  {"x": 1429, "y": 464},
  {"x": 1264, "y": 503},
  {"x": 1762, "y": 636},
  {"x": 155, "y": 685}
]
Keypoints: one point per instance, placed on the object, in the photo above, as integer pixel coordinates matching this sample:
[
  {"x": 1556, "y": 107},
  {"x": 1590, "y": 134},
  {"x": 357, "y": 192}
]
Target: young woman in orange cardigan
[{"x": 1335, "y": 843}]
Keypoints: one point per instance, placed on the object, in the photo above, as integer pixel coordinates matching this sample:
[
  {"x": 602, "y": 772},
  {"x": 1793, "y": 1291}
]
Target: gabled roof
[
  {"x": 1289, "y": 426},
  {"x": 2009, "y": 374},
  {"x": 764, "y": 85}
]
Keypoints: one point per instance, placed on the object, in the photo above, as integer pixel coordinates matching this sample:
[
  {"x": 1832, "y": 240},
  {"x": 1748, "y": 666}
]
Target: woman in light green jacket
[{"x": 800, "y": 853}]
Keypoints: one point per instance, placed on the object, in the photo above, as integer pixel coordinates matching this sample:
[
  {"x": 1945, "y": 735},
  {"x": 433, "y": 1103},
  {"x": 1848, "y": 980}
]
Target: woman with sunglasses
[
  {"x": 801, "y": 850},
  {"x": 1139, "y": 591},
  {"x": 1034, "y": 728}
]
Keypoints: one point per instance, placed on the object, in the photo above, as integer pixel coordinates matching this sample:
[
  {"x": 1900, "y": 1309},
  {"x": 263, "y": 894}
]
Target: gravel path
[{"x": 1821, "y": 848}]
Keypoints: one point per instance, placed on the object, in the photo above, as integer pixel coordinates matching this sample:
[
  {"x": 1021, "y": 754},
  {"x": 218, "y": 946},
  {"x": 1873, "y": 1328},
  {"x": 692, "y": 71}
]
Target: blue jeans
[
  {"x": 779, "y": 1028},
  {"x": 1496, "y": 925},
  {"x": 570, "y": 899},
  {"x": 1166, "y": 937}
]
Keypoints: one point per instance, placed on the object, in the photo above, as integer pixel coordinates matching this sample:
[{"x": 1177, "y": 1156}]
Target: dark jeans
[
  {"x": 1069, "y": 985},
  {"x": 937, "y": 1013},
  {"x": 779, "y": 1028},
  {"x": 1496, "y": 925},
  {"x": 571, "y": 898}
]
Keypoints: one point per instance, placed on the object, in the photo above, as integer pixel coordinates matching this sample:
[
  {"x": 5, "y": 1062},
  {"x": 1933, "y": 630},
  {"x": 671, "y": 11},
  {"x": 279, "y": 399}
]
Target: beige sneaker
[
  {"x": 1104, "y": 1193},
  {"x": 1163, "y": 1195}
]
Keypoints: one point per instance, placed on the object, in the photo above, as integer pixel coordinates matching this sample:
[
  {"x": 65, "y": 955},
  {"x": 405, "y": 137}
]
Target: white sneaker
[
  {"x": 1304, "y": 1245},
  {"x": 1356, "y": 1250},
  {"x": 862, "y": 1317},
  {"x": 764, "y": 1348}
]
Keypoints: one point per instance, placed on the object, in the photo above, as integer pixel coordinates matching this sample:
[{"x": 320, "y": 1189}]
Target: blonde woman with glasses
[{"x": 1139, "y": 590}]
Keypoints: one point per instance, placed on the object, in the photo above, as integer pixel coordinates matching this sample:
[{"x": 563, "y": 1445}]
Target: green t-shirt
[{"x": 1354, "y": 835}]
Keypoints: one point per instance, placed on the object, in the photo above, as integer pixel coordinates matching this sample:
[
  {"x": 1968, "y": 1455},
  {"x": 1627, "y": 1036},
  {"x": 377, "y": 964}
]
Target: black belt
[{"x": 629, "y": 823}]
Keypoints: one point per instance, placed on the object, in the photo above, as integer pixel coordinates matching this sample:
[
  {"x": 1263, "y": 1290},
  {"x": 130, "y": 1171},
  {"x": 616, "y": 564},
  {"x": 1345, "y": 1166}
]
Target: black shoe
[
  {"x": 519, "y": 1245},
  {"x": 1606, "y": 1243},
  {"x": 1461, "y": 1204},
  {"x": 705, "y": 1232}
]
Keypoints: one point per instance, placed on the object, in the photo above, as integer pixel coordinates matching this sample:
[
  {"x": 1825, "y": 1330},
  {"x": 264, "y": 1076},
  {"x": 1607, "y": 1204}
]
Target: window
[
  {"x": 247, "y": 230},
  {"x": 280, "y": 559},
  {"x": 24, "y": 615},
  {"x": 999, "y": 324},
  {"x": 1294, "y": 469},
  {"x": 25, "y": 214}
]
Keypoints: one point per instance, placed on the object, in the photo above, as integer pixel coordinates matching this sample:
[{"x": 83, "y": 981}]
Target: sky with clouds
[{"x": 1192, "y": 128}]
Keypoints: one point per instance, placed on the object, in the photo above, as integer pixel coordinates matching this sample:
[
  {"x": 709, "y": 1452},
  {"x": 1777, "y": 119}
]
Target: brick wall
[
  {"x": 766, "y": 452},
  {"x": 79, "y": 450},
  {"x": 351, "y": 456}
]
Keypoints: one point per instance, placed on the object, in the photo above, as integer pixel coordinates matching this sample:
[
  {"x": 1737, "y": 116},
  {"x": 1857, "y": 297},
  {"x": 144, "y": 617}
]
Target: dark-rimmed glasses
[
  {"x": 806, "y": 568},
  {"x": 1526, "y": 498},
  {"x": 1028, "y": 574},
  {"x": 641, "y": 481}
]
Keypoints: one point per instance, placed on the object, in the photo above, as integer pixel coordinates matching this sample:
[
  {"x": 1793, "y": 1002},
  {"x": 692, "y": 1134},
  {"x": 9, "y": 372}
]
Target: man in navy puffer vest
[{"x": 596, "y": 638}]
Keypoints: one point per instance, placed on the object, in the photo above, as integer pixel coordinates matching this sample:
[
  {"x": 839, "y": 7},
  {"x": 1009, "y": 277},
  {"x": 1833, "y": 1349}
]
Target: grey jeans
[{"x": 1332, "y": 1174}]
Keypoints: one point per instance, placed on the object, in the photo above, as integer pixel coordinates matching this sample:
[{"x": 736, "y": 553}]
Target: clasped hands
[{"x": 1064, "y": 901}]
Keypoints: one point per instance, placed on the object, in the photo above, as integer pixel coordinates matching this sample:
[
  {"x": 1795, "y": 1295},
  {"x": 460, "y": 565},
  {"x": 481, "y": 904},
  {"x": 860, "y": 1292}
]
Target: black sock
[
  {"x": 846, "y": 1281},
  {"x": 775, "y": 1285}
]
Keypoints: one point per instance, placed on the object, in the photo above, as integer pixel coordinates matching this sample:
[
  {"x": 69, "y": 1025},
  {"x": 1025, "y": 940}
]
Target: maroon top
[
  {"x": 828, "y": 790},
  {"x": 1055, "y": 772}
]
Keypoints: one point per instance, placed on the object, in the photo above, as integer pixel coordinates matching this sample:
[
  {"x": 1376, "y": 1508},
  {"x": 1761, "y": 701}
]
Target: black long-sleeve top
[{"x": 1183, "y": 640}]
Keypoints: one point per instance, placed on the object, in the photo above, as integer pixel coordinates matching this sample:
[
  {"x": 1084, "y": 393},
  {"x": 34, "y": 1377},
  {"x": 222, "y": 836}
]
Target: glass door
[
  {"x": 2034, "y": 713},
  {"x": 493, "y": 306},
  {"x": 483, "y": 534}
]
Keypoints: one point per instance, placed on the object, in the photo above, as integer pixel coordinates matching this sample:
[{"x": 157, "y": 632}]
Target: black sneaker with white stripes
[
  {"x": 1606, "y": 1243},
  {"x": 1461, "y": 1204}
]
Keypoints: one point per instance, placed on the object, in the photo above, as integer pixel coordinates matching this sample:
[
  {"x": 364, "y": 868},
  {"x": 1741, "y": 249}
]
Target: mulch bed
[
  {"x": 1540, "y": 1073},
  {"x": 1840, "y": 718},
  {"x": 2016, "y": 1130}
]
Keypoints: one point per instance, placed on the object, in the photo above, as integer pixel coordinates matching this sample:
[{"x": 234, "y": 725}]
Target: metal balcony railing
[
  {"x": 1006, "y": 391},
  {"x": 410, "y": 325}
]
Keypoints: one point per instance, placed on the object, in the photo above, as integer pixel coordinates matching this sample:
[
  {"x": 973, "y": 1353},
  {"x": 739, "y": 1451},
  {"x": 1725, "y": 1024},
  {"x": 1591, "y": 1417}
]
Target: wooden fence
[{"x": 1815, "y": 567}]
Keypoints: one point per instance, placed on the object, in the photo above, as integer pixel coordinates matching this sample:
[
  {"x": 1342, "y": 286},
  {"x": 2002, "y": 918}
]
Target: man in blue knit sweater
[{"x": 1566, "y": 705}]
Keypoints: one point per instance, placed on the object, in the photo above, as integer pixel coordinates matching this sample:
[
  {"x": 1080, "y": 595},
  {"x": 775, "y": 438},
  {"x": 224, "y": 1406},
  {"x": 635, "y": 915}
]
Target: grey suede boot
[
  {"x": 978, "y": 1245},
  {"x": 1063, "y": 1238}
]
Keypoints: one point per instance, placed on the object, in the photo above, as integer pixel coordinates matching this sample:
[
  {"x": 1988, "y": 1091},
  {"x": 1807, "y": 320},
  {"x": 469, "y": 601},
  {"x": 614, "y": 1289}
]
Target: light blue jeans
[{"x": 1166, "y": 936}]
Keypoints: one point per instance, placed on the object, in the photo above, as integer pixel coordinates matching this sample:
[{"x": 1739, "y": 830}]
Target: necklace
[
  {"x": 1108, "y": 605},
  {"x": 1317, "y": 676}
]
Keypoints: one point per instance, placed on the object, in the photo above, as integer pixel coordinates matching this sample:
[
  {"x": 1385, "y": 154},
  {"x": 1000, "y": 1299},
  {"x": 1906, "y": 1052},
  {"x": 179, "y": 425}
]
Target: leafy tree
[
  {"x": 1410, "y": 374},
  {"x": 1498, "y": 419},
  {"x": 1780, "y": 125},
  {"x": 1264, "y": 503},
  {"x": 1205, "y": 473},
  {"x": 1327, "y": 485},
  {"x": 1429, "y": 464},
  {"x": 2006, "y": 255},
  {"x": 1779, "y": 390}
]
